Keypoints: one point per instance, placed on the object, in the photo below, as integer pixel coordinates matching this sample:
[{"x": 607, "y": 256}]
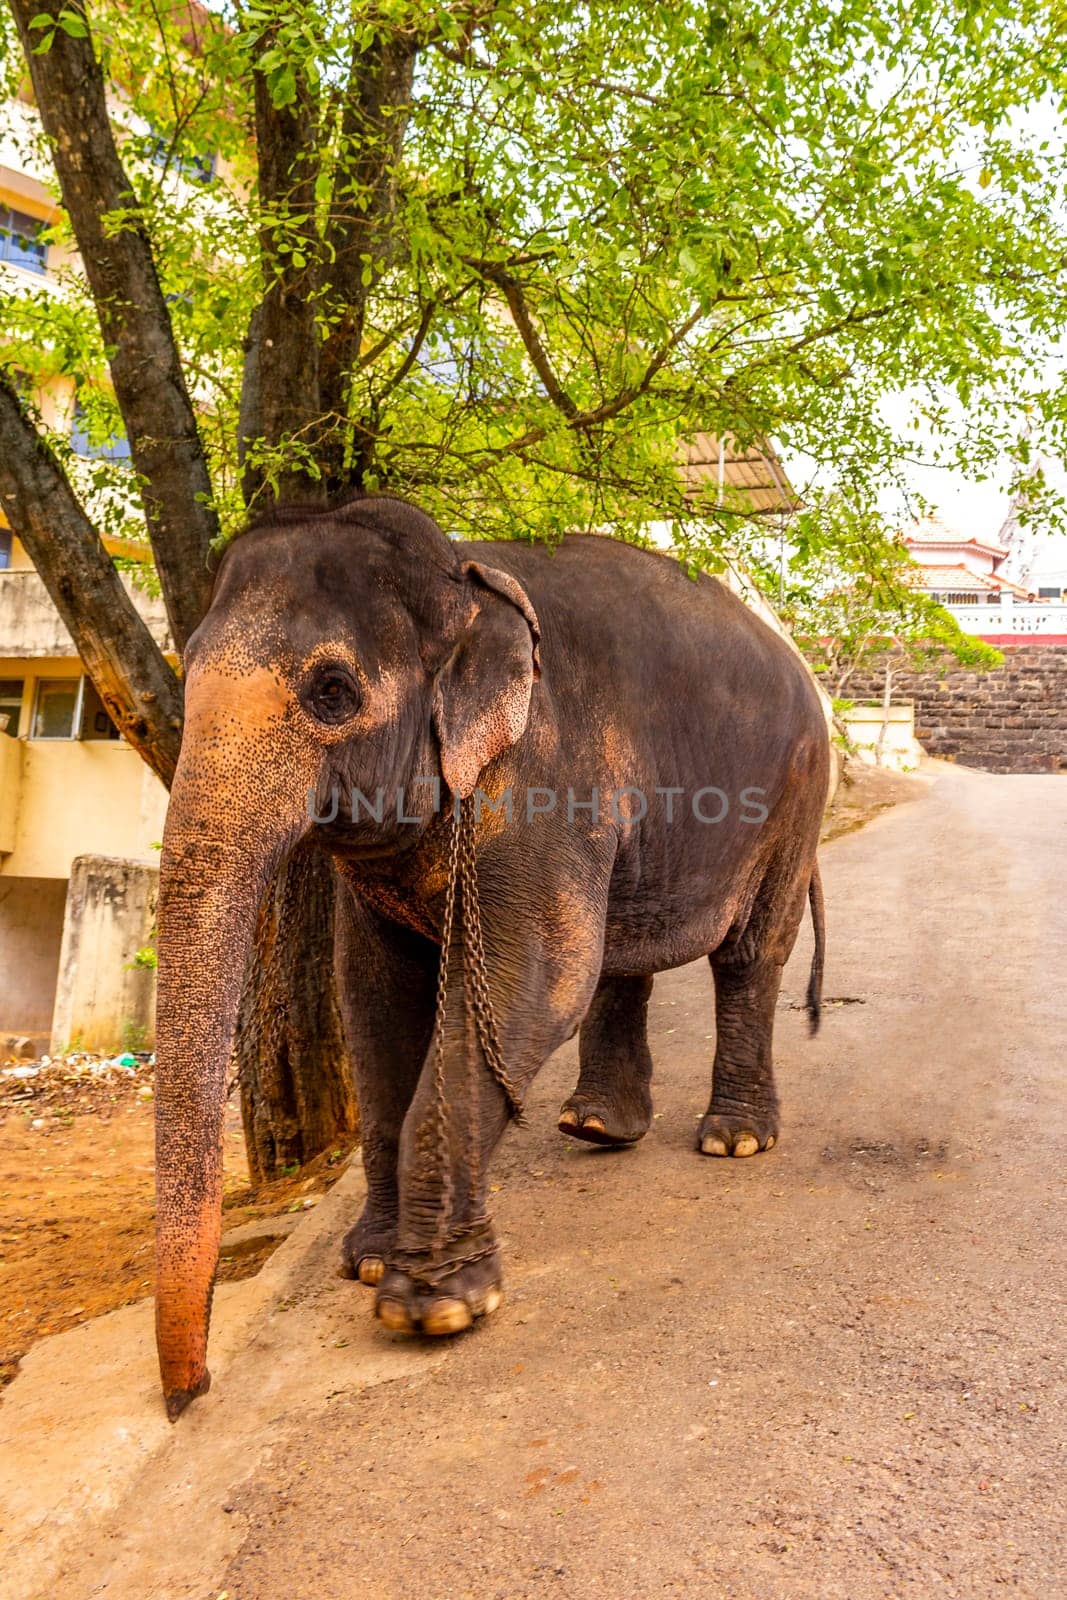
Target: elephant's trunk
[{"x": 228, "y": 828}]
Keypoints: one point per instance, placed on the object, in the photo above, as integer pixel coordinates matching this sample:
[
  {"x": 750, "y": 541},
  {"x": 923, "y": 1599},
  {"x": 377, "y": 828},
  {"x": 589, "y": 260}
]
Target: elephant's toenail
[
  {"x": 371, "y": 1270},
  {"x": 712, "y": 1145},
  {"x": 770, "y": 1143},
  {"x": 486, "y": 1304},
  {"x": 568, "y": 1118},
  {"x": 595, "y": 1124},
  {"x": 746, "y": 1144},
  {"x": 395, "y": 1317},
  {"x": 447, "y": 1316}
]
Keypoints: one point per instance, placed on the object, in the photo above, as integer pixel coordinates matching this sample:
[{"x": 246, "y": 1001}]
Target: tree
[
  {"x": 848, "y": 592},
  {"x": 503, "y": 257}
]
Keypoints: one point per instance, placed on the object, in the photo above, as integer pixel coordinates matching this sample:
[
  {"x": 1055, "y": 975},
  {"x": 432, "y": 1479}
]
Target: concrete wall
[
  {"x": 1013, "y": 719},
  {"x": 30, "y": 625},
  {"x": 900, "y": 750},
  {"x": 31, "y": 934},
  {"x": 103, "y": 1001}
]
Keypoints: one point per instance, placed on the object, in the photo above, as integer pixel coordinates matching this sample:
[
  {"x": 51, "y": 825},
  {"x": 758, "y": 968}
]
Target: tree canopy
[{"x": 502, "y": 257}]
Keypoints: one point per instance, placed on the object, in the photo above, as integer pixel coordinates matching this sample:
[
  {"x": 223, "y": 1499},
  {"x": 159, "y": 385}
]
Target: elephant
[{"x": 543, "y": 773}]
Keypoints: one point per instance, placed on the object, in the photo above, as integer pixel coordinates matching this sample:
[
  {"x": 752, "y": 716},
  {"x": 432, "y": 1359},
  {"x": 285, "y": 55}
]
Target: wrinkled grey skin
[{"x": 360, "y": 649}]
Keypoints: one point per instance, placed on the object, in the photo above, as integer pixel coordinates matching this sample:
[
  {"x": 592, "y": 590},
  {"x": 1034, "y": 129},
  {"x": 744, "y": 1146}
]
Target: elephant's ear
[{"x": 481, "y": 700}]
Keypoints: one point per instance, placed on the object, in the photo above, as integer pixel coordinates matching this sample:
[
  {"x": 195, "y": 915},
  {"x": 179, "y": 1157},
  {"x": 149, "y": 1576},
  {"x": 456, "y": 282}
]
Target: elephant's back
[{"x": 626, "y": 633}]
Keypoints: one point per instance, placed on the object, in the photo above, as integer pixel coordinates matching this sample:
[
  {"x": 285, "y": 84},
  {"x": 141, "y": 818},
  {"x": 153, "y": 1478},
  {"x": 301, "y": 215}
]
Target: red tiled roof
[{"x": 962, "y": 580}]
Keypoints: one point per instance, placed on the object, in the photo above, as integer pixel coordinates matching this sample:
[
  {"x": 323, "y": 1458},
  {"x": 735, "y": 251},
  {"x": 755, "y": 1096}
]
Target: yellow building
[
  {"x": 69, "y": 788},
  {"x": 80, "y": 812}
]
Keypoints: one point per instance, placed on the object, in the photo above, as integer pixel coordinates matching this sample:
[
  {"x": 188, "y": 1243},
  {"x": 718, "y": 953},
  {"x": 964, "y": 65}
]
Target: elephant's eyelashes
[{"x": 331, "y": 694}]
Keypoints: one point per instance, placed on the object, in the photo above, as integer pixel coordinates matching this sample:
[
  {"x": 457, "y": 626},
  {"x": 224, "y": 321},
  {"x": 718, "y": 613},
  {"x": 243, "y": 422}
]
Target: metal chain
[
  {"x": 475, "y": 969},
  {"x": 462, "y": 889},
  {"x": 440, "y": 1097}
]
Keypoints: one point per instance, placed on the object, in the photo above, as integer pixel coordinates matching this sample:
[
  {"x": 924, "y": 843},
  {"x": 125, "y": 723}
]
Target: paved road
[{"x": 828, "y": 1371}]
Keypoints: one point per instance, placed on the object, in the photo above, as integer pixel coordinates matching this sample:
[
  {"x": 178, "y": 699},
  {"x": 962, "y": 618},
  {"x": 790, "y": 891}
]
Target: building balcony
[
  {"x": 11, "y": 751},
  {"x": 61, "y": 798},
  {"x": 1009, "y": 618}
]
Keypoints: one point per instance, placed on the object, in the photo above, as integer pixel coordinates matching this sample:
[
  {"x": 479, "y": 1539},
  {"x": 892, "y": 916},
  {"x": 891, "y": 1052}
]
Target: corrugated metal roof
[{"x": 750, "y": 481}]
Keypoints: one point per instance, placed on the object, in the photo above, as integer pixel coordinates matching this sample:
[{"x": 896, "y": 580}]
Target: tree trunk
[
  {"x": 116, "y": 252},
  {"x": 297, "y": 1098},
  {"x": 131, "y": 675}
]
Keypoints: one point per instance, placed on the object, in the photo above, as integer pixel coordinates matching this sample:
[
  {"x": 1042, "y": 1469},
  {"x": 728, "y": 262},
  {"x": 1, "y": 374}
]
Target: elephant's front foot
[
  {"x": 433, "y": 1300},
  {"x": 366, "y": 1248},
  {"x": 604, "y": 1118},
  {"x": 737, "y": 1133}
]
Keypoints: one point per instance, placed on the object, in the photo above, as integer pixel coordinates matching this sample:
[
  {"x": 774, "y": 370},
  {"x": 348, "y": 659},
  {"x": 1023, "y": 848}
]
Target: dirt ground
[
  {"x": 77, "y": 1202},
  {"x": 831, "y": 1372},
  {"x": 864, "y": 793},
  {"x": 76, "y": 1170}
]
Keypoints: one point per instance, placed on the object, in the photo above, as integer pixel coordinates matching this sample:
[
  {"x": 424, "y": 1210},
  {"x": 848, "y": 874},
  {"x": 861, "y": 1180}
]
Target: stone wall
[{"x": 1013, "y": 719}]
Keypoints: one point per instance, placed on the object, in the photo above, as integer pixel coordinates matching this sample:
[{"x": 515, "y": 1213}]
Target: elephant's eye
[{"x": 331, "y": 694}]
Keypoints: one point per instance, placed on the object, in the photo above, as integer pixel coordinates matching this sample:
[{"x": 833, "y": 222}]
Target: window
[
  {"x": 961, "y": 597},
  {"x": 57, "y": 708},
  {"x": 197, "y": 168},
  {"x": 70, "y": 708},
  {"x": 20, "y": 240},
  {"x": 1042, "y": 594},
  {"x": 10, "y": 705},
  {"x": 116, "y": 449},
  {"x": 5, "y": 548}
]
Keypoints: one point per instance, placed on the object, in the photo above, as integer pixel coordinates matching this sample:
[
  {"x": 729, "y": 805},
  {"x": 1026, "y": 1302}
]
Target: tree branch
[
  {"x": 143, "y": 357},
  {"x": 412, "y": 355},
  {"x": 532, "y": 342},
  {"x": 135, "y": 682}
]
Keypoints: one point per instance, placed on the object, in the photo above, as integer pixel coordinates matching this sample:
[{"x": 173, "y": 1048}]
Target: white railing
[{"x": 1013, "y": 616}]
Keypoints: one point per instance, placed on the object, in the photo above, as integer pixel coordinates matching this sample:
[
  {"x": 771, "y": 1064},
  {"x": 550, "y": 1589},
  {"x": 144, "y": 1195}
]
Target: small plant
[
  {"x": 144, "y": 960},
  {"x": 134, "y": 1036}
]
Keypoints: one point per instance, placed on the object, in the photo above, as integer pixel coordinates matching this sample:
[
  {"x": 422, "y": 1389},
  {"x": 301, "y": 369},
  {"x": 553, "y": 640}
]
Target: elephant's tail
[{"x": 818, "y": 923}]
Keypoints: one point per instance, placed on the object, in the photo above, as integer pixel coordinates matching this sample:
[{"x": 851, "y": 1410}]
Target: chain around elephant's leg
[{"x": 445, "y": 1270}]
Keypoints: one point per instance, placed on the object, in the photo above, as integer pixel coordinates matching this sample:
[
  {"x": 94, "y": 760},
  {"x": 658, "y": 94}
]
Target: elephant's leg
[
  {"x": 543, "y": 959},
  {"x": 743, "y": 1115},
  {"x": 386, "y": 983},
  {"x": 612, "y": 1103}
]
